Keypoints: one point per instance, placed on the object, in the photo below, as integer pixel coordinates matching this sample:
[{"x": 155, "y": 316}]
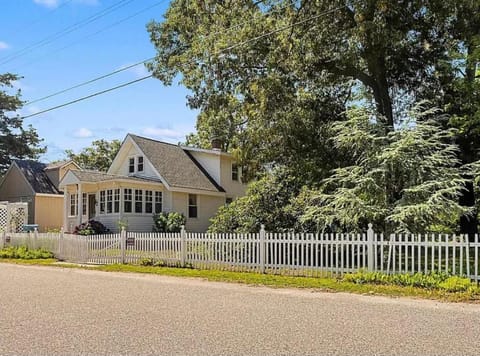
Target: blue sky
[{"x": 146, "y": 108}]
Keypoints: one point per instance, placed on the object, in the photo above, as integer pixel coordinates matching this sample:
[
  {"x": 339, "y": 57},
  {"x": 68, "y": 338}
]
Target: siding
[
  {"x": 207, "y": 208},
  {"x": 15, "y": 188},
  {"x": 210, "y": 162},
  {"x": 232, "y": 188},
  {"x": 48, "y": 212},
  {"x": 122, "y": 169}
]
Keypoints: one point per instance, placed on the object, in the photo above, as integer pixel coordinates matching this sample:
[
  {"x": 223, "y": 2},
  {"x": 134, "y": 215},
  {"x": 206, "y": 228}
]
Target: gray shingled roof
[
  {"x": 57, "y": 164},
  {"x": 94, "y": 177},
  {"x": 35, "y": 174},
  {"x": 175, "y": 165}
]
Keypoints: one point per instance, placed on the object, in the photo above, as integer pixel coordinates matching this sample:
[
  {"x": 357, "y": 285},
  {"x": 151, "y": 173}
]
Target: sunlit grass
[{"x": 325, "y": 284}]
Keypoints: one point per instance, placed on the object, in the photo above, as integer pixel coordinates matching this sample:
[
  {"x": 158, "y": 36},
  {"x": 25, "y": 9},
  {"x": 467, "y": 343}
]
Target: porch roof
[{"x": 97, "y": 177}]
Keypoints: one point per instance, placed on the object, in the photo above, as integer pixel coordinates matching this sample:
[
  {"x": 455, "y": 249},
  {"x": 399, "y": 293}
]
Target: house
[
  {"x": 147, "y": 177},
  {"x": 37, "y": 184}
]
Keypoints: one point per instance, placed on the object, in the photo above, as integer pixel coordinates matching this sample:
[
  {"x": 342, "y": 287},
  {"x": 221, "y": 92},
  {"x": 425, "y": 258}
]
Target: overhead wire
[
  {"x": 188, "y": 62},
  {"x": 93, "y": 34},
  {"x": 127, "y": 67},
  {"x": 65, "y": 31},
  {"x": 87, "y": 82}
]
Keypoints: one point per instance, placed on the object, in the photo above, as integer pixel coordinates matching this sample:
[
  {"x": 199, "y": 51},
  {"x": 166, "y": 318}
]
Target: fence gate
[{"x": 13, "y": 216}]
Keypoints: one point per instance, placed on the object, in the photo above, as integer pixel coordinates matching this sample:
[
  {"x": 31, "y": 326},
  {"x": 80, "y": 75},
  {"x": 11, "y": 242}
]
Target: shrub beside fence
[{"x": 278, "y": 253}]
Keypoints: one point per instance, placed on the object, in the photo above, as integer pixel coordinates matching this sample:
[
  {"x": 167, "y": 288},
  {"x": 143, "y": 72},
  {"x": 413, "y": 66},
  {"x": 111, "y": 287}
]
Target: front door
[{"x": 91, "y": 206}]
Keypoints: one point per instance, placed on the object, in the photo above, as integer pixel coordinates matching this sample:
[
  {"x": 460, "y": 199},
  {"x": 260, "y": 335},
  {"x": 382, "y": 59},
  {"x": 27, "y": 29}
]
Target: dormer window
[
  {"x": 234, "y": 172},
  {"x": 140, "y": 164},
  {"x": 131, "y": 165}
]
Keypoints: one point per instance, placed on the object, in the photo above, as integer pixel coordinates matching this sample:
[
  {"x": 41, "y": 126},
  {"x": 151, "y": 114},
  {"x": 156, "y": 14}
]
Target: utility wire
[
  {"x": 89, "y": 96},
  {"x": 217, "y": 53},
  {"x": 88, "y": 82},
  {"x": 94, "y": 34},
  {"x": 128, "y": 67},
  {"x": 66, "y": 31}
]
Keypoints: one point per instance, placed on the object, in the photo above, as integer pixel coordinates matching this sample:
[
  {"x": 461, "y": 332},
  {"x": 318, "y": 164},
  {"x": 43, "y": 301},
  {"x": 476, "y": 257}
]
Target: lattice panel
[
  {"x": 3, "y": 217},
  {"x": 18, "y": 217}
]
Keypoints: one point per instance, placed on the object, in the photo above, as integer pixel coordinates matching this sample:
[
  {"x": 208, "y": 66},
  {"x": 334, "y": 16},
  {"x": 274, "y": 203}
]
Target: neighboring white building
[{"x": 148, "y": 177}]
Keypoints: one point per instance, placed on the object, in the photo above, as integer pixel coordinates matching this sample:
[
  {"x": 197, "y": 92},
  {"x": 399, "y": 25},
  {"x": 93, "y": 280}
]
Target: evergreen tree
[{"x": 15, "y": 141}]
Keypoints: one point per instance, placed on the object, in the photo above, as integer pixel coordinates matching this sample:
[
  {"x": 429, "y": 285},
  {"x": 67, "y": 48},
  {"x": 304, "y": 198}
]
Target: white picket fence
[{"x": 300, "y": 254}]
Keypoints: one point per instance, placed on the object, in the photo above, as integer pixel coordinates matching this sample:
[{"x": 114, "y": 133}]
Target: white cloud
[
  {"x": 47, "y": 3},
  {"x": 138, "y": 71},
  {"x": 83, "y": 133},
  {"x": 4, "y": 45},
  {"x": 166, "y": 134}
]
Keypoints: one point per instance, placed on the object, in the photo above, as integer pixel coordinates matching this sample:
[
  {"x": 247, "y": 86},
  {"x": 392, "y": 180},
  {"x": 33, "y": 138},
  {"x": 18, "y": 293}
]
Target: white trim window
[
  {"x": 138, "y": 201},
  {"x": 140, "y": 164},
  {"x": 148, "y": 202},
  {"x": 127, "y": 200},
  {"x": 192, "y": 206},
  {"x": 109, "y": 201},
  {"x": 158, "y": 202},
  {"x": 102, "y": 202},
  {"x": 73, "y": 205},
  {"x": 116, "y": 201},
  {"x": 131, "y": 165}
]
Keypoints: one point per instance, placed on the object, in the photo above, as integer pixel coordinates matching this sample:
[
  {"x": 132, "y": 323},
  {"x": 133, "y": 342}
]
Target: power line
[
  {"x": 88, "y": 82},
  {"x": 66, "y": 31},
  {"x": 116, "y": 23},
  {"x": 88, "y": 96},
  {"x": 130, "y": 66},
  {"x": 217, "y": 53}
]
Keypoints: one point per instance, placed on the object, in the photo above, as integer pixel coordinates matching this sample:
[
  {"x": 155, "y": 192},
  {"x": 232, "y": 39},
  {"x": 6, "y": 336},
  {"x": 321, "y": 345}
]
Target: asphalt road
[{"x": 53, "y": 311}]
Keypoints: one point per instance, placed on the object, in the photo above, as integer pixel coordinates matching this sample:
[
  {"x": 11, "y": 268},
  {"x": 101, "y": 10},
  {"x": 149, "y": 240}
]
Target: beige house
[
  {"x": 37, "y": 184},
  {"x": 148, "y": 177}
]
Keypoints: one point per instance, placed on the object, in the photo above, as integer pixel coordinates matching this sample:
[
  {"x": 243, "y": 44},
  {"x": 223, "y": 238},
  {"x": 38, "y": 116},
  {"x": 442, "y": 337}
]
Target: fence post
[
  {"x": 123, "y": 242},
  {"x": 183, "y": 246},
  {"x": 370, "y": 247},
  {"x": 60, "y": 244},
  {"x": 262, "y": 248},
  {"x": 35, "y": 238},
  {"x": 4, "y": 239}
]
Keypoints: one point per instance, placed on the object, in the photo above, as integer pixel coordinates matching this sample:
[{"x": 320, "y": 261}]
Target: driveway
[{"x": 55, "y": 311}]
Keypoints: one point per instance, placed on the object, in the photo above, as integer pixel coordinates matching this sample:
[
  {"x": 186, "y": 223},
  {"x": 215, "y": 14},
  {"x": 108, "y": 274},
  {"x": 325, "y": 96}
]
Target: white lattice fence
[{"x": 13, "y": 216}]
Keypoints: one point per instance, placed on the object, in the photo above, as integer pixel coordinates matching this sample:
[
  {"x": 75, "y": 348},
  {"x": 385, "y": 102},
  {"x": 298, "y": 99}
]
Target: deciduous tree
[{"x": 98, "y": 156}]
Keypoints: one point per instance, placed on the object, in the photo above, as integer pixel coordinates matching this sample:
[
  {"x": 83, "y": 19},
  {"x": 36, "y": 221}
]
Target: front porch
[{"x": 115, "y": 201}]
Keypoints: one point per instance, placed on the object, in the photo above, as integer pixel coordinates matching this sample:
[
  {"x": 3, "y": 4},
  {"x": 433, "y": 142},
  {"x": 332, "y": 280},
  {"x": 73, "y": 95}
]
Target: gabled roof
[
  {"x": 60, "y": 164},
  {"x": 34, "y": 173},
  {"x": 175, "y": 165}
]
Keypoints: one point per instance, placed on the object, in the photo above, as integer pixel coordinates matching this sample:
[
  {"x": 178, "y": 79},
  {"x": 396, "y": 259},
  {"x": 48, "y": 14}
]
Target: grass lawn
[{"x": 275, "y": 281}]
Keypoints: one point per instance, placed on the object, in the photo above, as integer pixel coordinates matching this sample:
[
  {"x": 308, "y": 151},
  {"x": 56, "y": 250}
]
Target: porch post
[{"x": 79, "y": 204}]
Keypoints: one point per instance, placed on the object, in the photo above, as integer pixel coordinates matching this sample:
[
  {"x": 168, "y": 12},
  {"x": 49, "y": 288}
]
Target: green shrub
[
  {"x": 92, "y": 227},
  {"x": 23, "y": 252},
  {"x": 168, "y": 222},
  {"x": 456, "y": 284},
  {"x": 420, "y": 280}
]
